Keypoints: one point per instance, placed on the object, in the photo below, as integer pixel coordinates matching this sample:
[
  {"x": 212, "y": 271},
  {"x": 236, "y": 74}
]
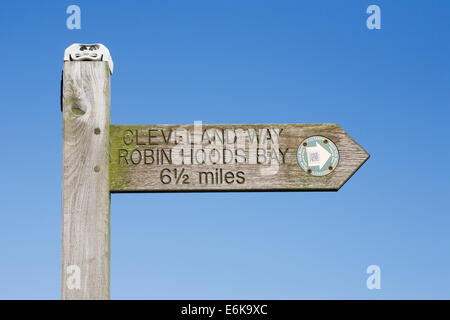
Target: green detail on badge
[{"x": 317, "y": 155}]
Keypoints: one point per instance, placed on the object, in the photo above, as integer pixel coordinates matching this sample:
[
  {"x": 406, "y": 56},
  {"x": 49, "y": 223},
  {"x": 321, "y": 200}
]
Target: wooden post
[{"x": 85, "y": 180}]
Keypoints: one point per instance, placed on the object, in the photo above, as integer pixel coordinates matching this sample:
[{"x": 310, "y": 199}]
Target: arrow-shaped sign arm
[
  {"x": 352, "y": 156},
  {"x": 151, "y": 158}
]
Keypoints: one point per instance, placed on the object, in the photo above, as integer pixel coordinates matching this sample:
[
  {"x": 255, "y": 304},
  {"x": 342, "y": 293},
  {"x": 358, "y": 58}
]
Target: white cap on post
[{"x": 88, "y": 52}]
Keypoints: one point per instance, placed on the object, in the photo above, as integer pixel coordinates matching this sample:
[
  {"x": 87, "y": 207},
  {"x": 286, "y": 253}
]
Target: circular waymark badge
[{"x": 317, "y": 155}]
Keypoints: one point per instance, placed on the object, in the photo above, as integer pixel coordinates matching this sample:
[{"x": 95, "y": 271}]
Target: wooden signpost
[{"x": 100, "y": 158}]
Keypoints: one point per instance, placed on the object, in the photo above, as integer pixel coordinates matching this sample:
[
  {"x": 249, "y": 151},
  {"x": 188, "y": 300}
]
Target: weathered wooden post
[{"x": 85, "y": 179}]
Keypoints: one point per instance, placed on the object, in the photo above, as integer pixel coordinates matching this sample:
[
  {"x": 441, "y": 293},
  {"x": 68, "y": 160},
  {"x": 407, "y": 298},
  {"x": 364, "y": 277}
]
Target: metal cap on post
[
  {"x": 89, "y": 52},
  {"x": 85, "y": 179}
]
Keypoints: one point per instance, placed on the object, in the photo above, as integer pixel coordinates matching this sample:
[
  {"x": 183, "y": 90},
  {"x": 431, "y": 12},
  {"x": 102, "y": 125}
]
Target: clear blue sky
[{"x": 240, "y": 62}]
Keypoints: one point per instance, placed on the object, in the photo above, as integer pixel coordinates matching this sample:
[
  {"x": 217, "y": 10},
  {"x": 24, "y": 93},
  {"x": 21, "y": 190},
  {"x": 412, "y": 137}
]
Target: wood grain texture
[
  {"x": 141, "y": 170},
  {"x": 85, "y": 185}
]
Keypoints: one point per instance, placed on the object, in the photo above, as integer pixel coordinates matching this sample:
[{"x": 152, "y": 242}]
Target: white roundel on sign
[{"x": 318, "y": 155}]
